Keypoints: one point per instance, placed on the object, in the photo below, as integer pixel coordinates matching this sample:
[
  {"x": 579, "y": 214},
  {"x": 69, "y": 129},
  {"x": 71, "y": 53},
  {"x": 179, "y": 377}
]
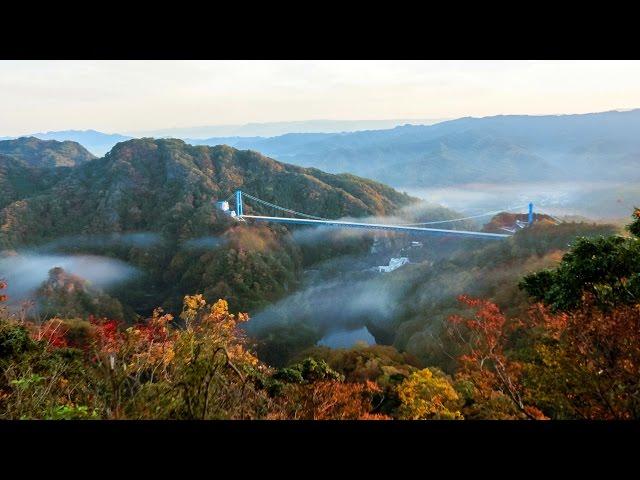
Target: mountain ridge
[
  {"x": 554, "y": 146},
  {"x": 45, "y": 153},
  {"x": 494, "y": 149},
  {"x": 146, "y": 184}
]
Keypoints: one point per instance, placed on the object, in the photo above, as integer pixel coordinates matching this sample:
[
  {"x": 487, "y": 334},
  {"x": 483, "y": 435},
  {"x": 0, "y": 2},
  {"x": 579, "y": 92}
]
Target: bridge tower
[
  {"x": 530, "y": 213},
  {"x": 239, "y": 203}
]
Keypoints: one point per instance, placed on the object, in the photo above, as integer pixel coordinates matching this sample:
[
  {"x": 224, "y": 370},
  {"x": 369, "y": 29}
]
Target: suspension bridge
[{"x": 299, "y": 218}]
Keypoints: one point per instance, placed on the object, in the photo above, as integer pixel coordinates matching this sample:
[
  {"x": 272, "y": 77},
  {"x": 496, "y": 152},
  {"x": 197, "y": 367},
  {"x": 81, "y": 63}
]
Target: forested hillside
[
  {"x": 408, "y": 308},
  {"x": 163, "y": 192},
  {"x": 20, "y": 180},
  {"x": 574, "y": 355},
  {"x": 168, "y": 186}
]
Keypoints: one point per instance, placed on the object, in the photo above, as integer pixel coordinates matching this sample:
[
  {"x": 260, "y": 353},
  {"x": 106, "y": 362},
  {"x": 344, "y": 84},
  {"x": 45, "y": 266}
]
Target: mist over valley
[{"x": 300, "y": 258}]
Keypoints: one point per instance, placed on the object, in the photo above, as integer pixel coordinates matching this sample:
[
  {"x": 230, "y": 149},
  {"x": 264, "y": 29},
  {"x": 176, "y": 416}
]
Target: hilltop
[
  {"x": 45, "y": 153},
  {"x": 98, "y": 143}
]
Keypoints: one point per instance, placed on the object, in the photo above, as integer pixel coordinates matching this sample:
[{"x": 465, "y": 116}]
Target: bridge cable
[
  {"x": 273, "y": 205},
  {"x": 401, "y": 224},
  {"x": 465, "y": 218}
]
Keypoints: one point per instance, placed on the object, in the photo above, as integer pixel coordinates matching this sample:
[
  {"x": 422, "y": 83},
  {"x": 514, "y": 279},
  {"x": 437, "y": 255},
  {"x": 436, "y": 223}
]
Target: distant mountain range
[
  {"x": 272, "y": 129},
  {"x": 97, "y": 143},
  {"x": 505, "y": 148},
  {"x": 100, "y": 143},
  {"x": 499, "y": 149}
]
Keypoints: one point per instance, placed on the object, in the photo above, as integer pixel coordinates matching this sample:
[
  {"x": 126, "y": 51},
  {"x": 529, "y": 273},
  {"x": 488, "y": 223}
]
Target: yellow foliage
[
  {"x": 426, "y": 396},
  {"x": 194, "y": 302},
  {"x": 220, "y": 308}
]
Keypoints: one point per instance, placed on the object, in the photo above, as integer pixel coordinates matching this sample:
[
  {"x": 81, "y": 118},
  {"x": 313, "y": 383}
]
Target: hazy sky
[{"x": 124, "y": 96}]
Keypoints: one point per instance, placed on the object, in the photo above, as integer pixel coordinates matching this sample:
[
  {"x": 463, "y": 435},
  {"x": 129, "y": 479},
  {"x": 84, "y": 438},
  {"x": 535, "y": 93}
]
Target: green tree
[{"x": 607, "y": 268}]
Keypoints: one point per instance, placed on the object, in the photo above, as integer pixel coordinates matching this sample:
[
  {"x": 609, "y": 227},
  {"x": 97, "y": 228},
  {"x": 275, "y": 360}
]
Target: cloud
[
  {"x": 333, "y": 306},
  {"x": 25, "y": 272}
]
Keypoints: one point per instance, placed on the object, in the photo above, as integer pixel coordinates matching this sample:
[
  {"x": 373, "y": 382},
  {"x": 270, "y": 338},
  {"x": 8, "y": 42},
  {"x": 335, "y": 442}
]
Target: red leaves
[
  {"x": 585, "y": 362},
  {"x": 553, "y": 324},
  {"x": 486, "y": 329},
  {"x": 484, "y": 363},
  {"x": 155, "y": 329},
  {"x": 107, "y": 336},
  {"x": 52, "y": 332},
  {"x": 3, "y": 285}
]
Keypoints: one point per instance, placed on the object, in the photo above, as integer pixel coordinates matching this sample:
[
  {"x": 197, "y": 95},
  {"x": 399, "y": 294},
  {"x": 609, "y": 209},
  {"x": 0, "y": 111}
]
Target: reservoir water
[{"x": 347, "y": 338}]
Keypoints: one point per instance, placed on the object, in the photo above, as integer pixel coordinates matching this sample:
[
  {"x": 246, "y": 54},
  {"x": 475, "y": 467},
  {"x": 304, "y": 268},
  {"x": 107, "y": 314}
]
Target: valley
[{"x": 85, "y": 240}]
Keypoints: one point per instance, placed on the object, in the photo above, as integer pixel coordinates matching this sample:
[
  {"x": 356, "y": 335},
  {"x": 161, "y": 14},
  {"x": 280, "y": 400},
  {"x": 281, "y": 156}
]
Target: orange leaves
[
  {"x": 194, "y": 302},
  {"x": 597, "y": 353},
  {"x": 484, "y": 362},
  {"x": 217, "y": 325},
  {"x": 3, "y": 285},
  {"x": 581, "y": 364},
  {"x": 328, "y": 400},
  {"x": 554, "y": 324},
  {"x": 486, "y": 333},
  {"x": 220, "y": 309},
  {"x": 534, "y": 413}
]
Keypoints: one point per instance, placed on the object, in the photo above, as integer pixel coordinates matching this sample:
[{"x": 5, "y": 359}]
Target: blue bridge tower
[{"x": 239, "y": 203}]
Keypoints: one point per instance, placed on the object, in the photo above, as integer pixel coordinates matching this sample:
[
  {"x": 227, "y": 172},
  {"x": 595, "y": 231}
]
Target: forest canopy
[{"x": 546, "y": 363}]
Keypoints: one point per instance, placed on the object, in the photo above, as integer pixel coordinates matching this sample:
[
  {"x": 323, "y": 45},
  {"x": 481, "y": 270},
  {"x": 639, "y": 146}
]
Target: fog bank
[{"x": 25, "y": 272}]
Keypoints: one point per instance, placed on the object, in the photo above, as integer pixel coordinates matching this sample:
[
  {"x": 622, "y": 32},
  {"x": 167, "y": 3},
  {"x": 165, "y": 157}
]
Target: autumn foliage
[
  {"x": 583, "y": 364},
  {"x": 579, "y": 364},
  {"x": 573, "y": 355},
  {"x": 428, "y": 395},
  {"x": 494, "y": 376},
  {"x": 589, "y": 361},
  {"x": 328, "y": 400},
  {"x": 199, "y": 367}
]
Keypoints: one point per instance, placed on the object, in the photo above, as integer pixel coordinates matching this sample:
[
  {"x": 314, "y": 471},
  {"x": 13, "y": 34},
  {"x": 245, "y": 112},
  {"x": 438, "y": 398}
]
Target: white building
[{"x": 394, "y": 264}]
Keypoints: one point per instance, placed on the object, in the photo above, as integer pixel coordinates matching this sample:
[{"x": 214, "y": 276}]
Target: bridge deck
[{"x": 381, "y": 226}]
